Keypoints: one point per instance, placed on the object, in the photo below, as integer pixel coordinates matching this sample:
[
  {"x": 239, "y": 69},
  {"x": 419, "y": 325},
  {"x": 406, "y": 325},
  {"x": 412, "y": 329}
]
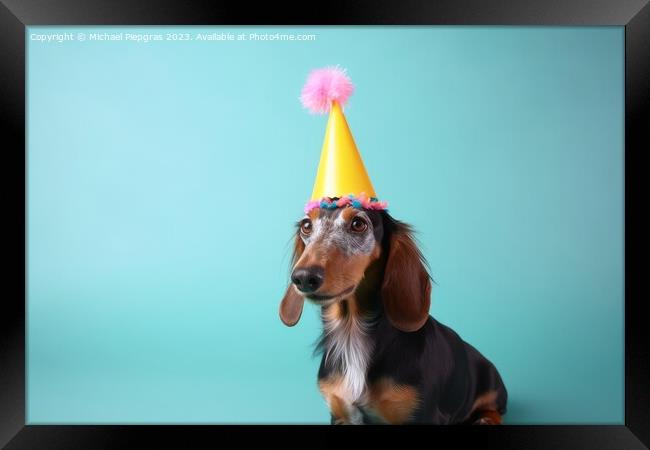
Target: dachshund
[{"x": 385, "y": 359}]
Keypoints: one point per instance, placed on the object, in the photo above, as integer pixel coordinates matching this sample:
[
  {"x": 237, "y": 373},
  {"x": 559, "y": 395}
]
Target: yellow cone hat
[
  {"x": 341, "y": 171},
  {"x": 342, "y": 178}
]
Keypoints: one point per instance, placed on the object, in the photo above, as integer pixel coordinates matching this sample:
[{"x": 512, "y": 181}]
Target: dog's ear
[
  {"x": 406, "y": 288},
  {"x": 292, "y": 302}
]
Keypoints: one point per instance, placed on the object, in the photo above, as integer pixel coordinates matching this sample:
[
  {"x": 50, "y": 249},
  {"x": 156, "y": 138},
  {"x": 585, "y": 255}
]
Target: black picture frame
[{"x": 15, "y": 15}]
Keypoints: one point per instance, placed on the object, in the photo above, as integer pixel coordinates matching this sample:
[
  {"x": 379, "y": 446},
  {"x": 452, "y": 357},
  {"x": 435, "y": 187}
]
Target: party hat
[{"x": 342, "y": 179}]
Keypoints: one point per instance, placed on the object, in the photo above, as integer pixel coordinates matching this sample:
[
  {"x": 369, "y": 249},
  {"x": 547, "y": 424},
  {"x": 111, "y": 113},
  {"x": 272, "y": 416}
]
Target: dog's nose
[{"x": 309, "y": 279}]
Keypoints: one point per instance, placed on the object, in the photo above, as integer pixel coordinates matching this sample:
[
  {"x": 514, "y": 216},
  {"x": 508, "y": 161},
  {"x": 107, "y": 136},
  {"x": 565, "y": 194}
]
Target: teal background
[{"x": 163, "y": 181}]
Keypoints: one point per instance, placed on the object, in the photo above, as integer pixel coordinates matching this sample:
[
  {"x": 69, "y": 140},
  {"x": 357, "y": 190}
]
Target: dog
[{"x": 385, "y": 359}]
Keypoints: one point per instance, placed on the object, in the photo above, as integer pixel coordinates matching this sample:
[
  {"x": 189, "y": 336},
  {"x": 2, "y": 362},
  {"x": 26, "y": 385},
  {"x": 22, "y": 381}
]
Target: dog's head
[{"x": 337, "y": 252}]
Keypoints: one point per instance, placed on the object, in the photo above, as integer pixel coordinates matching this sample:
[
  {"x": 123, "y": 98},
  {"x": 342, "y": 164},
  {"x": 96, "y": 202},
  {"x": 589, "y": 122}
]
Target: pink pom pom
[
  {"x": 343, "y": 201},
  {"x": 312, "y": 204},
  {"x": 325, "y": 86},
  {"x": 363, "y": 198}
]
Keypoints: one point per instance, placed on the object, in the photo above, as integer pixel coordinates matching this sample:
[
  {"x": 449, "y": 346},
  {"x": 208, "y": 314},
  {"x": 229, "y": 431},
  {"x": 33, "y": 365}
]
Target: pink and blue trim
[{"x": 362, "y": 201}]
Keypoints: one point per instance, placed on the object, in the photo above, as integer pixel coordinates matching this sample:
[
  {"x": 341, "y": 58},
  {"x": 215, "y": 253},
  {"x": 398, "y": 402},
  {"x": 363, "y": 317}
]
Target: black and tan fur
[{"x": 385, "y": 359}]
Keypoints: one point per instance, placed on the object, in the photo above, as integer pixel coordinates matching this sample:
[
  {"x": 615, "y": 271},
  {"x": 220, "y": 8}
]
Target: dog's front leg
[
  {"x": 339, "y": 411},
  {"x": 342, "y": 411}
]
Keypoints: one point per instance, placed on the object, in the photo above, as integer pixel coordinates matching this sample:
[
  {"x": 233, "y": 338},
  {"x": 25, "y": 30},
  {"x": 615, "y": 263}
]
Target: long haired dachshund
[{"x": 385, "y": 359}]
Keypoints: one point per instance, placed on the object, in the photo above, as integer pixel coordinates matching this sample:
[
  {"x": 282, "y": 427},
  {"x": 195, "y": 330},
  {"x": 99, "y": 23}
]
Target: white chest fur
[{"x": 348, "y": 350}]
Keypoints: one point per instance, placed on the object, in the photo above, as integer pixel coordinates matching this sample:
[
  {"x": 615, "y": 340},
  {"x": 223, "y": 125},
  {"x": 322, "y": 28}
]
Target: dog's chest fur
[{"x": 347, "y": 351}]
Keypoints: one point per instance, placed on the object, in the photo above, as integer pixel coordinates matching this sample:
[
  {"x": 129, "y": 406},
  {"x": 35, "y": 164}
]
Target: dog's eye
[
  {"x": 305, "y": 227},
  {"x": 358, "y": 225}
]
